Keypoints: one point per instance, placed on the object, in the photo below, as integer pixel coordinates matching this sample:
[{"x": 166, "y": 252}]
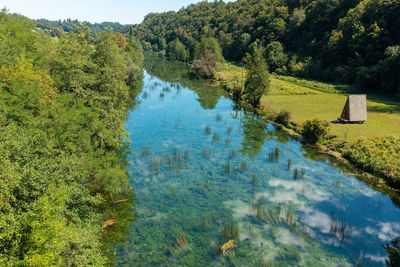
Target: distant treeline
[
  {"x": 64, "y": 188},
  {"x": 56, "y": 27},
  {"x": 349, "y": 41}
]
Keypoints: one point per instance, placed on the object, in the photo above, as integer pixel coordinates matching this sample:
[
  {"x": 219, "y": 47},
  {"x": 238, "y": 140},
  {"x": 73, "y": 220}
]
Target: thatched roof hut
[{"x": 355, "y": 109}]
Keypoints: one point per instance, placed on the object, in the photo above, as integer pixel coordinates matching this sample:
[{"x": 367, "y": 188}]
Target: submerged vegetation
[
  {"x": 64, "y": 190},
  {"x": 209, "y": 197}
]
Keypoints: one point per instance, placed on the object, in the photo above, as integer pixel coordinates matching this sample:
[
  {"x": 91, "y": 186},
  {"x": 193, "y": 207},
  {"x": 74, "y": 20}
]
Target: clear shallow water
[{"x": 205, "y": 172}]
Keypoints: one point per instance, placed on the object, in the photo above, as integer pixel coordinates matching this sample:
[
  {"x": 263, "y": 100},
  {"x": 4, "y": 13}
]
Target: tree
[
  {"x": 257, "y": 80},
  {"x": 206, "y": 65},
  {"x": 276, "y": 57},
  {"x": 177, "y": 51},
  {"x": 209, "y": 44}
]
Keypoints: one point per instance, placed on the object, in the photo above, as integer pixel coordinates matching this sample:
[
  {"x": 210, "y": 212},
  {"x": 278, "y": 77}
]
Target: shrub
[
  {"x": 206, "y": 65},
  {"x": 283, "y": 117},
  {"x": 314, "y": 130},
  {"x": 380, "y": 155},
  {"x": 394, "y": 252}
]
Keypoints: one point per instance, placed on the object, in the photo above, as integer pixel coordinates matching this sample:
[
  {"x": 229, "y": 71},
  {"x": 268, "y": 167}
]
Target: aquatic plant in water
[
  {"x": 155, "y": 164},
  {"x": 243, "y": 165},
  {"x": 230, "y": 231},
  {"x": 274, "y": 155},
  {"x": 289, "y": 164},
  {"x": 186, "y": 155},
  {"x": 207, "y": 130},
  {"x": 227, "y": 167},
  {"x": 207, "y": 152},
  {"x": 255, "y": 181},
  {"x": 290, "y": 217},
  {"x": 296, "y": 174},
  {"x": 232, "y": 154},
  {"x": 145, "y": 95},
  {"x": 216, "y": 138},
  {"x": 340, "y": 229},
  {"x": 145, "y": 152},
  {"x": 266, "y": 215},
  {"x": 229, "y": 130},
  {"x": 218, "y": 117},
  {"x": 181, "y": 245}
]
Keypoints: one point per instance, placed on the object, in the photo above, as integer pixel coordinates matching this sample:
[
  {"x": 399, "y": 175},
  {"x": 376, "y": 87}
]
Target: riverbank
[{"x": 372, "y": 147}]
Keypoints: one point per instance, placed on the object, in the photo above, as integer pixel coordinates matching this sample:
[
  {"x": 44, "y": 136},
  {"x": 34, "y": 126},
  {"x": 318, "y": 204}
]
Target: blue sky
[{"x": 123, "y": 11}]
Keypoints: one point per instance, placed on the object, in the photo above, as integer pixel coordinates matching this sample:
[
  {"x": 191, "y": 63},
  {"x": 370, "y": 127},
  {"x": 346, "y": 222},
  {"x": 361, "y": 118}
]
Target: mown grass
[
  {"x": 308, "y": 99},
  {"x": 382, "y": 118}
]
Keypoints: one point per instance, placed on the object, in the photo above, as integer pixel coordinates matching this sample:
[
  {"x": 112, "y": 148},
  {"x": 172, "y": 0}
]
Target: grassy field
[
  {"x": 308, "y": 99},
  {"x": 383, "y": 114}
]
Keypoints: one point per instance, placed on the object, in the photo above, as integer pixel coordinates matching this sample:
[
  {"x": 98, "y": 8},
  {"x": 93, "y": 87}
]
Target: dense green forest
[
  {"x": 56, "y": 28},
  {"x": 348, "y": 41},
  {"x": 64, "y": 188}
]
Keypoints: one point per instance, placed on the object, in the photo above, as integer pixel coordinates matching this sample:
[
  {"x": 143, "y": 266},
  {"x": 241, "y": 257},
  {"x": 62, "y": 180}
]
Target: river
[{"x": 208, "y": 175}]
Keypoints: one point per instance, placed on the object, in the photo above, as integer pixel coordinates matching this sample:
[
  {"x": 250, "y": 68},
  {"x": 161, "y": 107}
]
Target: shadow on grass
[
  {"x": 385, "y": 109},
  {"x": 392, "y": 105}
]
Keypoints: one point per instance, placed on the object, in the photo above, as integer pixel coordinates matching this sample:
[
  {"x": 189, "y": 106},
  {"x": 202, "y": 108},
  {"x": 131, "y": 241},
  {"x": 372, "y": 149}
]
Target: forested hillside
[
  {"x": 63, "y": 183},
  {"x": 57, "y": 27},
  {"x": 349, "y": 41}
]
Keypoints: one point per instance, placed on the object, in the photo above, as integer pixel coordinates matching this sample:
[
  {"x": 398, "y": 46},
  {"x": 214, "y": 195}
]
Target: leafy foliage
[
  {"x": 394, "y": 252},
  {"x": 257, "y": 80},
  {"x": 62, "y": 150},
  {"x": 314, "y": 130},
  {"x": 380, "y": 155},
  {"x": 177, "y": 51},
  {"x": 334, "y": 40}
]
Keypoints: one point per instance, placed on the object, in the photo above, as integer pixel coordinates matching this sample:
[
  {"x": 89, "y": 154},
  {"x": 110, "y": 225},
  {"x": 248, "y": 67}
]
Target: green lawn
[
  {"x": 383, "y": 114},
  {"x": 308, "y": 99}
]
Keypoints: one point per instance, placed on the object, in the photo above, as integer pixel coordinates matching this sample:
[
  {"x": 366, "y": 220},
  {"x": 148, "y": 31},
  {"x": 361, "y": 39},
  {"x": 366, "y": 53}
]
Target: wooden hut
[{"x": 355, "y": 109}]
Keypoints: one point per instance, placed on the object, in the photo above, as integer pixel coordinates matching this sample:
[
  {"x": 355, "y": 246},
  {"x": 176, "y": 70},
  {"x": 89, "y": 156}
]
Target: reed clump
[
  {"x": 227, "y": 167},
  {"x": 274, "y": 155},
  {"x": 181, "y": 245},
  {"x": 207, "y": 130},
  {"x": 232, "y": 154},
  {"x": 145, "y": 152},
  {"x": 216, "y": 138},
  {"x": 230, "y": 231},
  {"x": 340, "y": 229},
  {"x": 243, "y": 165}
]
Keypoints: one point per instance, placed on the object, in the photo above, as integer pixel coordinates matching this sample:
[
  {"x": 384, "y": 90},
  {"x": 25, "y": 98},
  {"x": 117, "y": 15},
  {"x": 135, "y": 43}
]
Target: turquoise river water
[{"x": 217, "y": 186}]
